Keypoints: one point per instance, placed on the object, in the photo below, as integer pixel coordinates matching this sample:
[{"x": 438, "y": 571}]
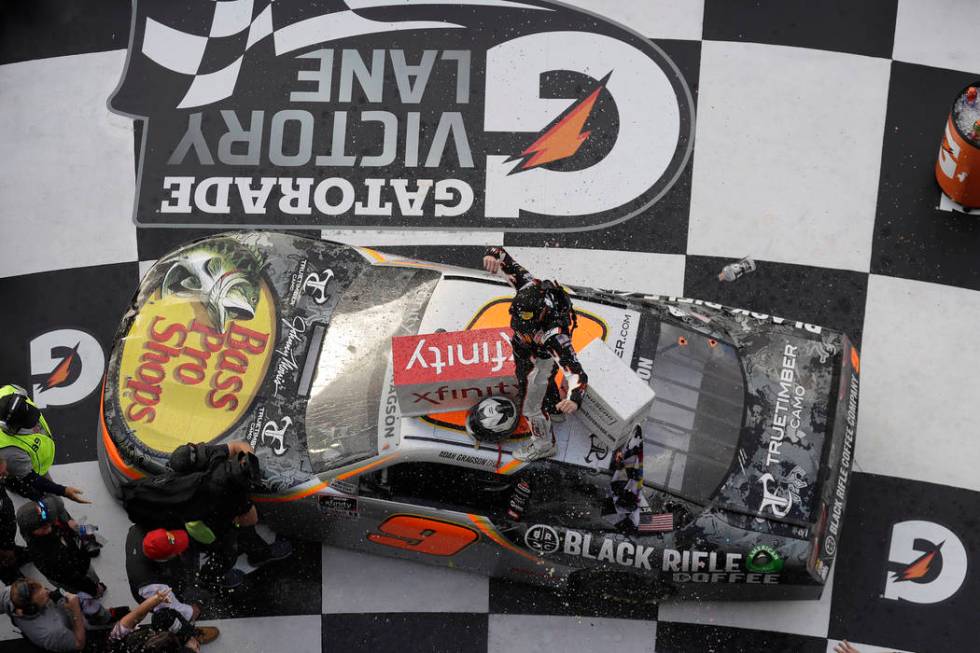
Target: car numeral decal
[{"x": 429, "y": 536}]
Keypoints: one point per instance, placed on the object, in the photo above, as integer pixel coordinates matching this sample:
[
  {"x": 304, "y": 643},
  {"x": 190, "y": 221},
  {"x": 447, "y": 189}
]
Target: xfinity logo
[
  {"x": 452, "y": 354},
  {"x": 388, "y": 113},
  {"x": 927, "y": 563},
  {"x": 66, "y": 366}
]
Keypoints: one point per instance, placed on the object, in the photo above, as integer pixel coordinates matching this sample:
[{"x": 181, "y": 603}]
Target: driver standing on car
[
  {"x": 542, "y": 320},
  {"x": 27, "y": 446}
]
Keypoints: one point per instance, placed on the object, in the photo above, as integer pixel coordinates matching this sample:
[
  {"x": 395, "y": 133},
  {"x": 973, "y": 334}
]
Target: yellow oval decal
[{"x": 184, "y": 378}]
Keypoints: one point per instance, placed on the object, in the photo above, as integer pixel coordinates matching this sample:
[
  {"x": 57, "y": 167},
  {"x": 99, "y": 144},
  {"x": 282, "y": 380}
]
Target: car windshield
[
  {"x": 342, "y": 413},
  {"x": 692, "y": 435}
]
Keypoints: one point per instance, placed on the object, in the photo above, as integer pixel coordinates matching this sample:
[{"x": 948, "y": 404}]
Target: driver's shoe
[{"x": 536, "y": 449}]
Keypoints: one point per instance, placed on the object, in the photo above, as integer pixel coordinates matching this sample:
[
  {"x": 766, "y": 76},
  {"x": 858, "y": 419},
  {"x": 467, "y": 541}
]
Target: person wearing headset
[
  {"x": 27, "y": 446},
  {"x": 49, "y": 619}
]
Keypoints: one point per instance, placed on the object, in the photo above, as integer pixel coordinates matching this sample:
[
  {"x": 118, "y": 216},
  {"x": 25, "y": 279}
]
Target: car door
[{"x": 433, "y": 512}]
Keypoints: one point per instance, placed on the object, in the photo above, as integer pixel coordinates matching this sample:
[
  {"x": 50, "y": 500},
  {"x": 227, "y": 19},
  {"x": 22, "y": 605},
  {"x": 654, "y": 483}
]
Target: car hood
[{"x": 215, "y": 347}]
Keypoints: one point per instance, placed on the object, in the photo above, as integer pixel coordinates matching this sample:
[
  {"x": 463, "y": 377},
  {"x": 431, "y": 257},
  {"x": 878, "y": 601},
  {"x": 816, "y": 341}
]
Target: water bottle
[
  {"x": 518, "y": 500},
  {"x": 733, "y": 271},
  {"x": 87, "y": 531}
]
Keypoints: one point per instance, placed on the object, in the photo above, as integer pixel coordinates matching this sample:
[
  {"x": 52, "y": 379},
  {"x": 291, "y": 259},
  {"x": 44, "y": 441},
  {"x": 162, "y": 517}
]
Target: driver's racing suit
[{"x": 540, "y": 347}]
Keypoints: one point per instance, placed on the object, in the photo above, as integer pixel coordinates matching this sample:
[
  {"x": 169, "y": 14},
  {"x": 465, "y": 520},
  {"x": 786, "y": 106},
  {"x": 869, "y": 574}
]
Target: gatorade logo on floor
[
  {"x": 66, "y": 367},
  {"x": 927, "y": 563},
  {"x": 399, "y": 113}
]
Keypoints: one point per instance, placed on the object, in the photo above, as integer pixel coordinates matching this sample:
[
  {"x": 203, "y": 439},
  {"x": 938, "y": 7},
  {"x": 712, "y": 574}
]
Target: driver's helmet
[
  {"x": 493, "y": 419},
  {"x": 529, "y": 308},
  {"x": 17, "y": 413}
]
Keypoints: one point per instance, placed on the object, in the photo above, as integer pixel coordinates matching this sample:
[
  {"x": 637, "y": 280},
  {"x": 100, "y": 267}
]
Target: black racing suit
[{"x": 547, "y": 338}]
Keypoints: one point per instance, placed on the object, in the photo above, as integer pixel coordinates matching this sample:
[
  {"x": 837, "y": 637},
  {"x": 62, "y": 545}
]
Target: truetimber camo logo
[{"x": 478, "y": 114}]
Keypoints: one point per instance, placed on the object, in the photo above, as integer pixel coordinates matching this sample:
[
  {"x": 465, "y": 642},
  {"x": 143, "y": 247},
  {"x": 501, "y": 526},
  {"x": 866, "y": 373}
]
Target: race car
[{"x": 285, "y": 341}]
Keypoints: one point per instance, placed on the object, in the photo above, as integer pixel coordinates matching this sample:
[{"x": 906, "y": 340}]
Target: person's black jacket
[
  {"x": 60, "y": 557},
  {"x": 141, "y": 571},
  {"x": 203, "y": 483},
  {"x": 8, "y": 521},
  {"x": 225, "y": 492}
]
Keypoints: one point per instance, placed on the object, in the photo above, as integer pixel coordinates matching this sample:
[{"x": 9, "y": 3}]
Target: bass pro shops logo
[
  {"x": 66, "y": 366},
  {"x": 399, "y": 113},
  {"x": 927, "y": 563}
]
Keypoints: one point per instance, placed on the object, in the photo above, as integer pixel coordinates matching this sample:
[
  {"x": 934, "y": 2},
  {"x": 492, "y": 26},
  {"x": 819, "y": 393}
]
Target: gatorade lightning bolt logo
[
  {"x": 563, "y": 138},
  {"x": 927, "y": 563},
  {"x": 59, "y": 376},
  {"x": 919, "y": 569},
  {"x": 66, "y": 366}
]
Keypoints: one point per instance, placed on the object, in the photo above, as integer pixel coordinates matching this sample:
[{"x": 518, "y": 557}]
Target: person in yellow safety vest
[{"x": 27, "y": 446}]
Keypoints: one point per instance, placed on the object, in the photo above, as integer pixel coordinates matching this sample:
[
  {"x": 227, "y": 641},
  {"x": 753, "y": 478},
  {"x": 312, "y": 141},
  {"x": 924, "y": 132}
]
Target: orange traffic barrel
[{"x": 958, "y": 166}]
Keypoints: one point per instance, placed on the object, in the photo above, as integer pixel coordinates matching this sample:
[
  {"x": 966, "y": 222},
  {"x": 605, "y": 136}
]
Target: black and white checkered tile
[{"x": 818, "y": 127}]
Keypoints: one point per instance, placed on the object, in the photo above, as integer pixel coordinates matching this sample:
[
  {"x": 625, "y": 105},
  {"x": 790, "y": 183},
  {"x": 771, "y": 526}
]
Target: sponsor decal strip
[
  {"x": 487, "y": 528},
  {"x": 110, "y": 446}
]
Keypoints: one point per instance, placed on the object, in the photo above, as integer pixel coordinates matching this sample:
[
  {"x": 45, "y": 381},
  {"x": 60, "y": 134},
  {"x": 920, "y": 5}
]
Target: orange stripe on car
[
  {"x": 510, "y": 467},
  {"x": 301, "y": 492},
  {"x": 377, "y": 256},
  {"x": 487, "y": 528},
  {"x": 312, "y": 487},
  {"x": 110, "y": 446},
  {"x": 364, "y": 468}
]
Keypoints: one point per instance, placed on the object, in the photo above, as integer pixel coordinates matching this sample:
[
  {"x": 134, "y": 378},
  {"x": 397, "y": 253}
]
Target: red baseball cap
[{"x": 161, "y": 544}]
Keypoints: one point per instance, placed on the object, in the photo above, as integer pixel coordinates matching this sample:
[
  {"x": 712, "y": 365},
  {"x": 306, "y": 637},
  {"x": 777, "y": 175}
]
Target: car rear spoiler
[{"x": 837, "y": 466}]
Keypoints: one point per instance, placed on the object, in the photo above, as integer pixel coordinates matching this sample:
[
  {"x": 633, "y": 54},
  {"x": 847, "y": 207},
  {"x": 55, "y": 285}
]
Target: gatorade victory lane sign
[{"x": 470, "y": 114}]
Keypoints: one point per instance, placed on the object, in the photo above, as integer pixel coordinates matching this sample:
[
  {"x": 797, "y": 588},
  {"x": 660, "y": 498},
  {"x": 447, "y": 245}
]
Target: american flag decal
[{"x": 651, "y": 523}]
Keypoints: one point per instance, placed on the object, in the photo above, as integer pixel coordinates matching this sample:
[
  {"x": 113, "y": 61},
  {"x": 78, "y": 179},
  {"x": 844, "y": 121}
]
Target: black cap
[
  {"x": 17, "y": 413},
  {"x": 528, "y": 308},
  {"x": 32, "y": 516}
]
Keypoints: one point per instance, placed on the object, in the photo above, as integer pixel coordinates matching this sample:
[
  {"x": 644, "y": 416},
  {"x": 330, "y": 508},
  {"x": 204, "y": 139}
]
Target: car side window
[
  {"x": 438, "y": 485},
  {"x": 568, "y": 496}
]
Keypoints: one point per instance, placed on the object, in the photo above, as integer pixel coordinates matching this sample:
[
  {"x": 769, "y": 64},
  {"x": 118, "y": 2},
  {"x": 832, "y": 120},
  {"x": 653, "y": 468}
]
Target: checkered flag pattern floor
[
  {"x": 210, "y": 49},
  {"x": 818, "y": 128},
  {"x": 212, "y": 59}
]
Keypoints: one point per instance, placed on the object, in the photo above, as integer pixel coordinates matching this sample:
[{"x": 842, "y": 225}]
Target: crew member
[
  {"x": 27, "y": 446},
  {"x": 542, "y": 320}
]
